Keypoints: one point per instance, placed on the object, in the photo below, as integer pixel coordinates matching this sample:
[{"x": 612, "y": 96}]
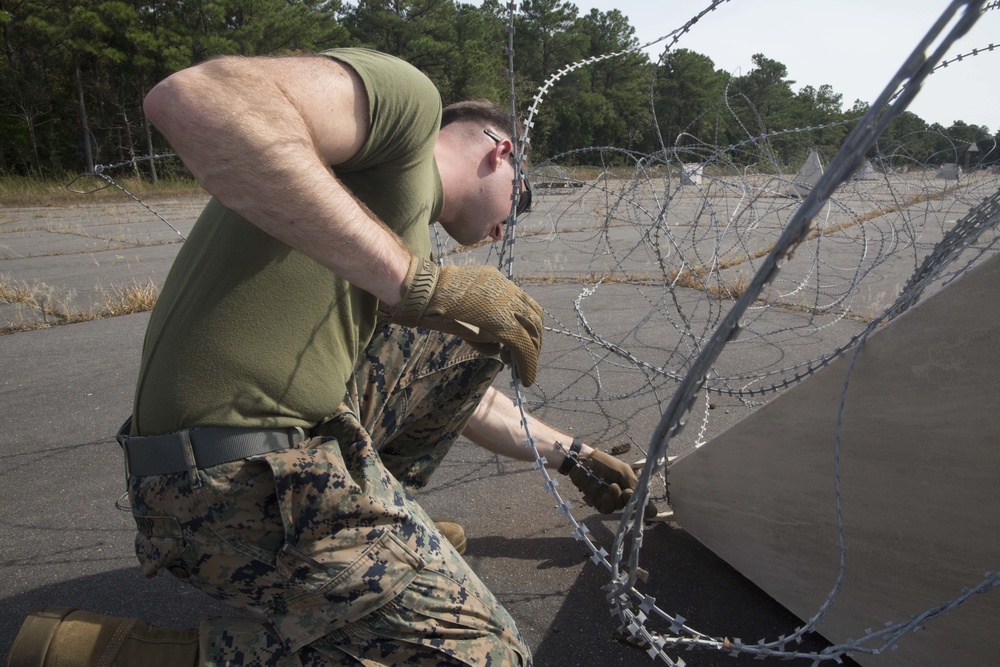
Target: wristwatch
[{"x": 572, "y": 457}]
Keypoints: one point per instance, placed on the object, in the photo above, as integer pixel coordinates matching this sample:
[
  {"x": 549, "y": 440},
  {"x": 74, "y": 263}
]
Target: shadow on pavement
[{"x": 686, "y": 579}]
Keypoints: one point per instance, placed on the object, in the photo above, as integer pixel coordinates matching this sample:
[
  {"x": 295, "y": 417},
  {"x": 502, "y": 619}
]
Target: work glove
[
  {"x": 607, "y": 483},
  {"x": 475, "y": 302}
]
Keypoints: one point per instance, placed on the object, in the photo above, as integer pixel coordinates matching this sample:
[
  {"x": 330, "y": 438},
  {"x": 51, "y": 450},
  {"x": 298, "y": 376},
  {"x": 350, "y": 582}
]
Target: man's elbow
[
  {"x": 180, "y": 96},
  {"x": 154, "y": 105},
  {"x": 164, "y": 104}
]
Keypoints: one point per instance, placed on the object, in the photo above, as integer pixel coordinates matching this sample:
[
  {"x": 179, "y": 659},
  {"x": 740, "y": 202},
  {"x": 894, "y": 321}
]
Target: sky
[{"x": 856, "y": 46}]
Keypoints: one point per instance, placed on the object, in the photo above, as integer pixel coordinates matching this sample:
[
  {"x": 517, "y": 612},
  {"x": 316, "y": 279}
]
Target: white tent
[
  {"x": 808, "y": 176},
  {"x": 866, "y": 173}
]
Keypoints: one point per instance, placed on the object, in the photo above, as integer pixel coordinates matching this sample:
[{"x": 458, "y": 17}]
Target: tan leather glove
[
  {"x": 475, "y": 302},
  {"x": 606, "y": 482}
]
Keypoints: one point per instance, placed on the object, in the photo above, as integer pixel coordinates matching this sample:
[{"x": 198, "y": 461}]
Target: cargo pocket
[
  {"x": 340, "y": 586},
  {"x": 160, "y": 543},
  {"x": 340, "y": 561}
]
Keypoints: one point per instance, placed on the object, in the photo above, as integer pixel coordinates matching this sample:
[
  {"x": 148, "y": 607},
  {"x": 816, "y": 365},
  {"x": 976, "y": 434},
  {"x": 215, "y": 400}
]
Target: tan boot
[
  {"x": 454, "y": 534},
  {"x": 63, "y": 637}
]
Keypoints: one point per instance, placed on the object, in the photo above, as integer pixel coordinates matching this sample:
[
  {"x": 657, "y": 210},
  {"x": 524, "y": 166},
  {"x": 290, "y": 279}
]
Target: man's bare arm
[
  {"x": 259, "y": 135},
  {"x": 496, "y": 426},
  {"x": 607, "y": 483}
]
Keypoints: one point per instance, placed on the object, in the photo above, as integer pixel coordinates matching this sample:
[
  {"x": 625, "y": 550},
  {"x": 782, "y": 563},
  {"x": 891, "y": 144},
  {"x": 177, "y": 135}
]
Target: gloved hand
[
  {"x": 475, "y": 302},
  {"x": 606, "y": 482}
]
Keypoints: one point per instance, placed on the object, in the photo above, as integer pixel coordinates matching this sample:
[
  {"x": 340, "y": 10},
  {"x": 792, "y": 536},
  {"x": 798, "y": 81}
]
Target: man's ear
[{"x": 501, "y": 152}]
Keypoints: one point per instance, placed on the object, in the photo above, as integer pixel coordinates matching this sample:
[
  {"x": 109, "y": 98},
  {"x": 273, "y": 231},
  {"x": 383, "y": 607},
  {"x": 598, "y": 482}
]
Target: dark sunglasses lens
[{"x": 524, "y": 200}]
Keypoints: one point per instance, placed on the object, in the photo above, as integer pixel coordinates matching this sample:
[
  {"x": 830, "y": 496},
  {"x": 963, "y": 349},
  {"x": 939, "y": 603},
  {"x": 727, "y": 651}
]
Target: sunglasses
[{"x": 524, "y": 199}]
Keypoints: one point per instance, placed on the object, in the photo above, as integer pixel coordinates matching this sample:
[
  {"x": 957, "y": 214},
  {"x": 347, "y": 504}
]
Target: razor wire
[
  {"x": 631, "y": 607},
  {"x": 697, "y": 256}
]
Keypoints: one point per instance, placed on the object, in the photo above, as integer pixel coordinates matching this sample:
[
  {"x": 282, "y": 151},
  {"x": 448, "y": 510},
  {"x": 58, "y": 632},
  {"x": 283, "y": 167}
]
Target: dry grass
[
  {"x": 697, "y": 279},
  {"x": 39, "y": 306},
  {"x": 39, "y": 300},
  {"x": 19, "y": 191},
  {"x": 591, "y": 278},
  {"x": 814, "y": 233},
  {"x": 811, "y": 310},
  {"x": 134, "y": 297}
]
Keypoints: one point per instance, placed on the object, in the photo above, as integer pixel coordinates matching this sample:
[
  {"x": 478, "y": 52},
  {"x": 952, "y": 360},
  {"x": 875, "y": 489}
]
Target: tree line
[{"x": 73, "y": 74}]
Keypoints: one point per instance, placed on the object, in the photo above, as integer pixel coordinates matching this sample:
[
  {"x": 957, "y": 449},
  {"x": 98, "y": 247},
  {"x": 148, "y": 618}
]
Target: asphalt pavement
[{"x": 65, "y": 390}]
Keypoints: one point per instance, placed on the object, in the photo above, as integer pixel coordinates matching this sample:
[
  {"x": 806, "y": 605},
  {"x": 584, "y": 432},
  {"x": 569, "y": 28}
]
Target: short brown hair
[
  {"x": 477, "y": 110},
  {"x": 482, "y": 111}
]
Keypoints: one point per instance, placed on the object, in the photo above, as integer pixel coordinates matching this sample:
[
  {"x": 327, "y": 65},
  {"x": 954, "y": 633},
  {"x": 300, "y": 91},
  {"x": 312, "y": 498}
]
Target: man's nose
[{"x": 497, "y": 232}]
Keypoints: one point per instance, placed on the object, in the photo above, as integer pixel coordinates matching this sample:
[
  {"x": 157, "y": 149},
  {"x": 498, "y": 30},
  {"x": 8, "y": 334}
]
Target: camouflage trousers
[{"x": 323, "y": 544}]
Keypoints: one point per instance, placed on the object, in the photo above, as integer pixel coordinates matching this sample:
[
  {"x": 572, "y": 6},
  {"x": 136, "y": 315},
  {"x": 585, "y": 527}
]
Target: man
[{"x": 278, "y": 430}]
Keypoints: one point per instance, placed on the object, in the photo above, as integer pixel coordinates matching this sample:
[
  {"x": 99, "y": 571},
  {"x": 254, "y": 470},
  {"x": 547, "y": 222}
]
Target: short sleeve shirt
[{"x": 250, "y": 332}]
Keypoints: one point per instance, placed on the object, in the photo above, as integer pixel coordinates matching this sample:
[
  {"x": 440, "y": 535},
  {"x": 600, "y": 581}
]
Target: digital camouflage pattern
[
  {"x": 415, "y": 390},
  {"x": 324, "y": 544}
]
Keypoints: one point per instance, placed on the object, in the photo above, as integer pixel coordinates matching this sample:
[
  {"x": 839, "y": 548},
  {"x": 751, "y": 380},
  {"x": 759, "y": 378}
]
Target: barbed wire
[
  {"x": 632, "y": 608},
  {"x": 694, "y": 240},
  {"x": 102, "y": 171}
]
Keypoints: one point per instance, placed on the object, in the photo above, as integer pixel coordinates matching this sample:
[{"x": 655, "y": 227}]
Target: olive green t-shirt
[{"x": 248, "y": 331}]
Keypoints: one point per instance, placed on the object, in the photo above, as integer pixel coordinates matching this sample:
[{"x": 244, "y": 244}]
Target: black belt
[{"x": 212, "y": 445}]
